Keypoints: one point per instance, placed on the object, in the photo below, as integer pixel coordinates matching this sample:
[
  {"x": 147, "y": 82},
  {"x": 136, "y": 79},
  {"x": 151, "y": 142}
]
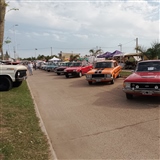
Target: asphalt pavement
[{"x": 95, "y": 121}]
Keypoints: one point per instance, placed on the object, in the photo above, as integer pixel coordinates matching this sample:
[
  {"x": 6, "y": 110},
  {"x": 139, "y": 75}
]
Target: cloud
[{"x": 87, "y": 23}]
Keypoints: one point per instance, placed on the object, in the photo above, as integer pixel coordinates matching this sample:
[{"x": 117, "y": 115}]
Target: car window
[
  {"x": 103, "y": 65},
  {"x": 76, "y": 64},
  {"x": 148, "y": 66}
]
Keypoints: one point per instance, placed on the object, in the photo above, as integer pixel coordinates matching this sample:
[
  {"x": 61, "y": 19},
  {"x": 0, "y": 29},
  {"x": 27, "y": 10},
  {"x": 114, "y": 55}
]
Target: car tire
[
  {"x": 5, "y": 84},
  {"x": 90, "y": 83},
  {"x": 129, "y": 96},
  {"x": 118, "y": 76},
  {"x": 67, "y": 76},
  {"x": 58, "y": 73},
  {"x": 17, "y": 84},
  {"x": 80, "y": 74},
  {"x": 112, "y": 81}
]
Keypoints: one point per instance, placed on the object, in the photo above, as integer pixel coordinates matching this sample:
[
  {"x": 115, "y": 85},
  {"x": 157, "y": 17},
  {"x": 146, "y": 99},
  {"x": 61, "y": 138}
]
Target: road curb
[{"x": 53, "y": 154}]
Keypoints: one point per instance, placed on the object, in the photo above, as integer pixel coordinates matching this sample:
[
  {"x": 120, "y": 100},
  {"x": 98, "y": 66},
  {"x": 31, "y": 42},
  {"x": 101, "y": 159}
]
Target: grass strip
[
  {"x": 125, "y": 73},
  {"x": 21, "y": 135}
]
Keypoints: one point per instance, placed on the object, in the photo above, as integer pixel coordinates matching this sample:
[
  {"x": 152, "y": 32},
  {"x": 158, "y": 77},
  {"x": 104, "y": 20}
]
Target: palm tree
[
  {"x": 3, "y": 5},
  {"x": 95, "y": 52},
  {"x": 74, "y": 57},
  {"x": 150, "y": 53}
]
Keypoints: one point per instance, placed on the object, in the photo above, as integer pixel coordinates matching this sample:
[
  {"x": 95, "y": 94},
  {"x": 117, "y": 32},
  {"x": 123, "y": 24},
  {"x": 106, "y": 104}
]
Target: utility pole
[
  {"x": 136, "y": 45},
  {"x": 51, "y": 51},
  {"x": 120, "y": 45}
]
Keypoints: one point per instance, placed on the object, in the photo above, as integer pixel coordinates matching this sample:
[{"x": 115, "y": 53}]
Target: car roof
[{"x": 155, "y": 60}]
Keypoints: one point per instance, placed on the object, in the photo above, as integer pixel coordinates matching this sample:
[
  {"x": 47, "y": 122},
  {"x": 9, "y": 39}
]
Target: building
[{"x": 66, "y": 56}]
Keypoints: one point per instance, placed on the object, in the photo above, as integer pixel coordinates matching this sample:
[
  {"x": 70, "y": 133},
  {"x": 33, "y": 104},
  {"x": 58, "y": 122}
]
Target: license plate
[
  {"x": 147, "y": 92},
  {"x": 69, "y": 74},
  {"x": 98, "y": 80}
]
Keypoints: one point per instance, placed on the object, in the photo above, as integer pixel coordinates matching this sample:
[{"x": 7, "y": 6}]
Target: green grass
[
  {"x": 21, "y": 135},
  {"x": 125, "y": 74}
]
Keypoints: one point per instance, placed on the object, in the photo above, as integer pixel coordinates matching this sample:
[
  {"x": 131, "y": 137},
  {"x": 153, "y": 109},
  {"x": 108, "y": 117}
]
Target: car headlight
[
  {"x": 156, "y": 87},
  {"x": 88, "y": 76},
  {"x": 74, "y": 70},
  {"x": 127, "y": 85}
]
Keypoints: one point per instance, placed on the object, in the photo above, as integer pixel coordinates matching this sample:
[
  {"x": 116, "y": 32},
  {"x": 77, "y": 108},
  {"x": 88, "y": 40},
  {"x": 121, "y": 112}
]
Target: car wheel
[
  {"x": 5, "y": 84},
  {"x": 58, "y": 73},
  {"x": 89, "y": 83},
  {"x": 112, "y": 81},
  {"x": 17, "y": 84},
  {"x": 80, "y": 74},
  {"x": 118, "y": 76},
  {"x": 67, "y": 76},
  {"x": 129, "y": 96}
]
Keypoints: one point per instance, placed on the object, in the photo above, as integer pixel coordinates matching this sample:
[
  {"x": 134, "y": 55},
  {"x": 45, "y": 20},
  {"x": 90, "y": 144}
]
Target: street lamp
[
  {"x": 15, "y": 40},
  {"x": 35, "y": 53}
]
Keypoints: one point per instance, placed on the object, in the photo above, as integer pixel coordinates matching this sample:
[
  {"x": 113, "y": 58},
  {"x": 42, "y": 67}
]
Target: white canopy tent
[
  {"x": 137, "y": 56},
  {"x": 127, "y": 54},
  {"x": 54, "y": 59}
]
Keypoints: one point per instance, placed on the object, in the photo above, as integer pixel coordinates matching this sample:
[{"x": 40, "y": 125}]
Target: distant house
[{"x": 66, "y": 56}]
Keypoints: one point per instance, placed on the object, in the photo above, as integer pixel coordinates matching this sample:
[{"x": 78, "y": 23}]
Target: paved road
[{"x": 96, "y": 122}]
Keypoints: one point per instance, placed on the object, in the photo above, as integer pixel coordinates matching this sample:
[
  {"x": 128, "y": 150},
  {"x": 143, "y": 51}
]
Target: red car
[
  {"x": 144, "y": 81},
  {"x": 77, "y": 69}
]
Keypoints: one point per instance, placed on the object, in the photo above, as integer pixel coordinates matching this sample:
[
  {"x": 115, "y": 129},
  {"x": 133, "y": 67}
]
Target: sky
[{"x": 47, "y": 27}]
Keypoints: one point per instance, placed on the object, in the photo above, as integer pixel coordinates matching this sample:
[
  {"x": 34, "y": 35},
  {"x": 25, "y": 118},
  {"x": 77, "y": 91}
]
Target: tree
[
  {"x": 3, "y": 5},
  {"x": 74, "y": 57},
  {"x": 95, "y": 52},
  {"x": 150, "y": 53}
]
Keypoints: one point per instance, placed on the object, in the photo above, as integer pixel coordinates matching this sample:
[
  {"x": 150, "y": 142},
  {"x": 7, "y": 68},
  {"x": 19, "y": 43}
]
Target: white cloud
[{"x": 98, "y": 23}]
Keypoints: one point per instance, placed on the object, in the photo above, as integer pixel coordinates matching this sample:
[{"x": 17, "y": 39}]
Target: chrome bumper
[{"x": 142, "y": 92}]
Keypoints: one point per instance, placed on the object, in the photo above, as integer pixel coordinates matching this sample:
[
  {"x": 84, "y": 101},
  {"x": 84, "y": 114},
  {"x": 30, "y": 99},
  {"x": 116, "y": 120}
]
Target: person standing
[
  {"x": 35, "y": 65},
  {"x": 30, "y": 68}
]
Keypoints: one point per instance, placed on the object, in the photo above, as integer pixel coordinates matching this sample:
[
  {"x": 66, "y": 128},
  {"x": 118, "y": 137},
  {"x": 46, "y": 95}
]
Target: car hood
[
  {"x": 100, "y": 70},
  {"x": 61, "y": 67},
  {"x": 73, "y": 68},
  {"x": 144, "y": 77},
  {"x": 12, "y": 67}
]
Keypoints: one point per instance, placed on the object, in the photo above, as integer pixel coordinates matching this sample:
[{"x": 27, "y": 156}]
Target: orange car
[{"x": 105, "y": 71}]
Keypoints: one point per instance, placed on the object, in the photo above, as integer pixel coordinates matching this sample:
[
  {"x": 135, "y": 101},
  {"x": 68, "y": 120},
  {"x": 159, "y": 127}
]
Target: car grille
[
  {"x": 146, "y": 86},
  {"x": 62, "y": 69},
  {"x": 98, "y": 76},
  {"x": 22, "y": 73}
]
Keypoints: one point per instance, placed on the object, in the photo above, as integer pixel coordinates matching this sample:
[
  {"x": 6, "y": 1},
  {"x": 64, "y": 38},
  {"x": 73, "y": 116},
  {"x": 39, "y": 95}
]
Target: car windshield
[
  {"x": 51, "y": 63},
  {"x": 103, "y": 65},
  {"x": 148, "y": 66},
  {"x": 66, "y": 64},
  {"x": 75, "y": 64}
]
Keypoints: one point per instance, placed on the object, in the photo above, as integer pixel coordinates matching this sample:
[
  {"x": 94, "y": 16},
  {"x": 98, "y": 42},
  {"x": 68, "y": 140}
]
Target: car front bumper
[
  {"x": 99, "y": 79},
  {"x": 142, "y": 92},
  {"x": 71, "y": 73}
]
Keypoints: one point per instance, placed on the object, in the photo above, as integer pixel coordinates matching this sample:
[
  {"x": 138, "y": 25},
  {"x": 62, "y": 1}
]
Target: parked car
[
  {"x": 145, "y": 80},
  {"x": 104, "y": 71},
  {"x": 11, "y": 76},
  {"x": 60, "y": 70},
  {"x": 77, "y": 69},
  {"x": 51, "y": 66}
]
